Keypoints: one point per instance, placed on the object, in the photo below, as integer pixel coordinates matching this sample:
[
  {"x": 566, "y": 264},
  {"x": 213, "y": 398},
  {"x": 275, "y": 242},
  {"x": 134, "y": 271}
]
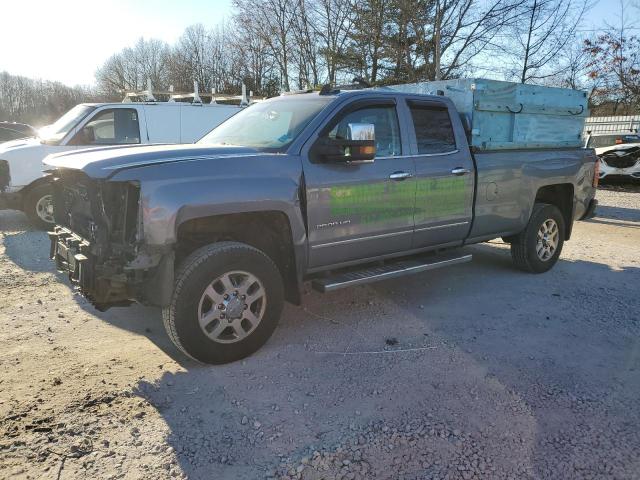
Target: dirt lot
[{"x": 478, "y": 371}]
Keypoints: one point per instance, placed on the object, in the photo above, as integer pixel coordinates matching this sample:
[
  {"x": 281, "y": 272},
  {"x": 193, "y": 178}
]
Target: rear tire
[
  {"x": 226, "y": 303},
  {"x": 538, "y": 247},
  {"x": 38, "y": 206}
]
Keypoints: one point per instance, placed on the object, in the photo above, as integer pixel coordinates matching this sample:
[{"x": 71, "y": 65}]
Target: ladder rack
[{"x": 196, "y": 97}]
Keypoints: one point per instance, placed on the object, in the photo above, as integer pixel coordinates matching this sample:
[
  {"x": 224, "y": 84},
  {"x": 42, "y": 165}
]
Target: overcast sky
[{"x": 67, "y": 40}]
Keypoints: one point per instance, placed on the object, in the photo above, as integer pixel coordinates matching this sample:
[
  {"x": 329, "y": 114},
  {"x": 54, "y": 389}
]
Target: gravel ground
[{"x": 477, "y": 371}]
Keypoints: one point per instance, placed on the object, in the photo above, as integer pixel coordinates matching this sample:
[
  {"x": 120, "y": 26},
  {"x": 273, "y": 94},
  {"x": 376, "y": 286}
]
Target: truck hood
[
  {"x": 106, "y": 161},
  {"x": 19, "y": 144}
]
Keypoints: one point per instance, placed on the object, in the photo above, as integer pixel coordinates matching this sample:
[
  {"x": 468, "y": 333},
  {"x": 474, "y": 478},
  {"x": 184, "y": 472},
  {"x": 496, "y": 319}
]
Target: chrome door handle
[
  {"x": 460, "y": 171},
  {"x": 400, "y": 176}
]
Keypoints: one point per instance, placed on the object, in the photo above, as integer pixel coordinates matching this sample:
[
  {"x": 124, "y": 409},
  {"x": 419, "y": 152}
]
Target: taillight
[{"x": 596, "y": 173}]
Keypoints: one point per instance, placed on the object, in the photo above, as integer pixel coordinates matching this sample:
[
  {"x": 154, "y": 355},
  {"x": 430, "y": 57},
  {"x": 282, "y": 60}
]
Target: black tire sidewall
[
  {"x": 543, "y": 214},
  {"x": 34, "y": 195},
  {"x": 187, "y": 328}
]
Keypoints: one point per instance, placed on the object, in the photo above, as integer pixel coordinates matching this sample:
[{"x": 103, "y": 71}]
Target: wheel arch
[
  {"x": 562, "y": 196},
  {"x": 269, "y": 231},
  {"x": 24, "y": 192}
]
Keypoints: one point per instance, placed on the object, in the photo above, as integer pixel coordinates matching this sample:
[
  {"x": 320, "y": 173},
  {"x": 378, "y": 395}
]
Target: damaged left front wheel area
[{"x": 226, "y": 303}]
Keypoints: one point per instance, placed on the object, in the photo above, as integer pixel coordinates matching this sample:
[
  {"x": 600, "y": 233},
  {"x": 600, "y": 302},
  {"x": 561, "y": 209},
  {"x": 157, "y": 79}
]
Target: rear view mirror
[{"x": 359, "y": 146}]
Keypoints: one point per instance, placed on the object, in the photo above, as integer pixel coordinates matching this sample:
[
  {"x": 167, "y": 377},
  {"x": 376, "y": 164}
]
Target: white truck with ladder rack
[{"x": 139, "y": 119}]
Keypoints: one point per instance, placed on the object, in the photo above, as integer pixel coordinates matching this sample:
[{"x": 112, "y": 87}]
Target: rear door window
[{"x": 434, "y": 132}]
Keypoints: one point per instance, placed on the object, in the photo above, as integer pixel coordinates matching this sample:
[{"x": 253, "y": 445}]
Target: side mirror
[{"x": 359, "y": 146}]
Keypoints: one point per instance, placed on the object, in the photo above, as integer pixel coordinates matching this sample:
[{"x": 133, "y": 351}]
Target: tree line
[
  {"x": 280, "y": 45},
  {"x": 39, "y": 102},
  {"x": 275, "y": 45}
]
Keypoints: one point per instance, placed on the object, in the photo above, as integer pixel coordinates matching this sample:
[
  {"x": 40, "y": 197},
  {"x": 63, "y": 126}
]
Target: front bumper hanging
[
  {"x": 72, "y": 255},
  {"x": 106, "y": 284}
]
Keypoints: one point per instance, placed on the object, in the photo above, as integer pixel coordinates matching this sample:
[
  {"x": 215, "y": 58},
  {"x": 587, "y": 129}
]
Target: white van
[{"x": 22, "y": 185}]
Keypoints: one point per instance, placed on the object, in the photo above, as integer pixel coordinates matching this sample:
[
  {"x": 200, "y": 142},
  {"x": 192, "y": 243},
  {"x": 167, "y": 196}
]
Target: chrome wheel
[
  {"x": 547, "y": 239},
  {"x": 231, "y": 307},
  {"x": 44, "y": 209}
]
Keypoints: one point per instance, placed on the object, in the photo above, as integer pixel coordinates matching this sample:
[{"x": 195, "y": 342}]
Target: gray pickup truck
[{"x": 339, "y": 188}]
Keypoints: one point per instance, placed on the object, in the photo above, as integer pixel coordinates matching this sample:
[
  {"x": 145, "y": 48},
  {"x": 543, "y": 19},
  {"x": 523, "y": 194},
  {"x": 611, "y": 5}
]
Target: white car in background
[
  {"x": 619, "y": 154},
  {"x": 22, "y": 184}
]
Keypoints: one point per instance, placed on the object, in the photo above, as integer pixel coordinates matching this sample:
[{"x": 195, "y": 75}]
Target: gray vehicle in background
[
  {"x": 16, "y": 131},
  {"x": 337, "y": 187}
]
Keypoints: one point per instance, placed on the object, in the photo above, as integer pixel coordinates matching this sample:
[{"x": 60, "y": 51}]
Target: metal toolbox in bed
[{"x": 507, "y": 115}]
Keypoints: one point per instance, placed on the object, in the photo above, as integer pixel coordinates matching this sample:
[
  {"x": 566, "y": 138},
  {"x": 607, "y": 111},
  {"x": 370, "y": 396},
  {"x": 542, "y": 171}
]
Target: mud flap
[
  {"x": 591, "y": 210},
  {"x": 158, "y": 290}
]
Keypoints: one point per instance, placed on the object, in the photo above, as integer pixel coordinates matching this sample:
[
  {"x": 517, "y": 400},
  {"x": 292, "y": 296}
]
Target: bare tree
[
  {"x": 465, "y": 28},
  {"x": 38, "y": 102},
  {"x": 573, "y": 67},
  {"x": 272, "y": 21},
  {"x": 273, "y": 44},
  {"x": 427, "y": 39},
  {"x": 332, "y": 23},
  {"x": 615, "y": 62},
  {"x": 193, "y": 59},
  {"x": 368, "y": 37},
  {"x": 130, "y": 68},
  {"x": 543, "y": 31},
  {"x": 251, "y": 59},
  {"x": 306, "y": 41}
]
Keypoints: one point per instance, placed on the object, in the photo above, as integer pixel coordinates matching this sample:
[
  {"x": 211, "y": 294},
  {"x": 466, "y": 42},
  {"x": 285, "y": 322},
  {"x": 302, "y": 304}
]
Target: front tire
[
  {"x": 226, "y": 303},
  {"x": 538, "y": 247},
  {"x": 38, "y": 206}
]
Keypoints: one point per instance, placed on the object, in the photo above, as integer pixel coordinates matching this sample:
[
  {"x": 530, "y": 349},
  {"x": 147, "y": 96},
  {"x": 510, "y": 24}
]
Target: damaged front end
[{"x": 98, "y": 242}]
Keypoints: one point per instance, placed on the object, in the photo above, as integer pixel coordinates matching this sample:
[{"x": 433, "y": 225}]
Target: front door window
[
  {"x": 385, "y": 121},
  {"x": 117, "y": 126}
]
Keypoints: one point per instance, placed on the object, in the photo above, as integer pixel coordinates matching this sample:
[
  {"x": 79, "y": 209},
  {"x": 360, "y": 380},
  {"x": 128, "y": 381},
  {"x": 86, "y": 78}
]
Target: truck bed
[{"x": 507, "y": 182}]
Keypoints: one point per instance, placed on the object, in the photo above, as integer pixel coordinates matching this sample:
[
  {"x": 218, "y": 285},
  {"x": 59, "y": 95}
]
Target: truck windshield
[
  {"x": 270, "y": 125},
  {"x": 55, "y": 132}
]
